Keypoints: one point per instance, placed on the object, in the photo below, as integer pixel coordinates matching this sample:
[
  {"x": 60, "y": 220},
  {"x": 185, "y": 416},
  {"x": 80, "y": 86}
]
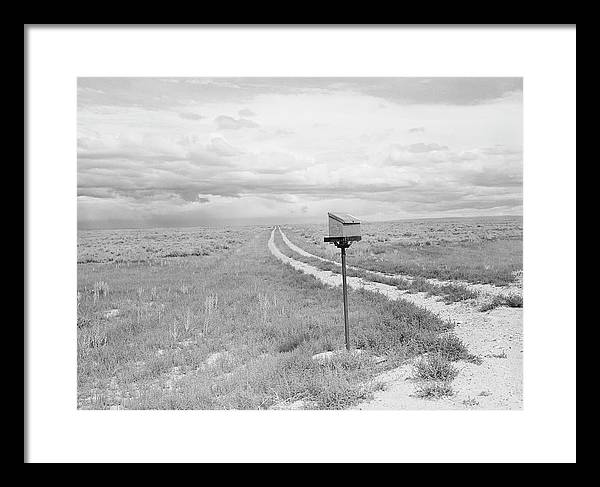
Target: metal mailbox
[{"x": 343, "y": 225}]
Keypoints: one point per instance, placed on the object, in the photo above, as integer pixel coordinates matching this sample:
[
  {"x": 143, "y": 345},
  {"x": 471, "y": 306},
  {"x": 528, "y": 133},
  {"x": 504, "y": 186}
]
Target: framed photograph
[{"x": 281, "y": 240}]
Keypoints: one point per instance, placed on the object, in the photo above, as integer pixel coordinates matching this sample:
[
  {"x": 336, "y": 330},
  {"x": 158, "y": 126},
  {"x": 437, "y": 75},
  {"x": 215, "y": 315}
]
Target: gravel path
[{"x": 496, "y": 336}]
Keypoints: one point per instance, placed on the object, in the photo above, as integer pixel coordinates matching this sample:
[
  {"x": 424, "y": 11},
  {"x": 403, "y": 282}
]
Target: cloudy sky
[{"x": 193, "y": 151}]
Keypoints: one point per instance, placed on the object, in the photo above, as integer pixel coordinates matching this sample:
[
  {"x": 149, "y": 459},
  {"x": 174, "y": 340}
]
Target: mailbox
[
  {"x": 343, "y": 225},
  {"x": 343, "y": 230}
]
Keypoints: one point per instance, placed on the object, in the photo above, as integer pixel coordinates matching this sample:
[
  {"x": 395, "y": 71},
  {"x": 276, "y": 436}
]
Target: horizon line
[{"x": 216, "y": 225}]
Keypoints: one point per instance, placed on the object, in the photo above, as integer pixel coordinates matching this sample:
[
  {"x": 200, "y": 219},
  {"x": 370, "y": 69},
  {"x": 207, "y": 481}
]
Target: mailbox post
[{"x": 343, "y": 230}]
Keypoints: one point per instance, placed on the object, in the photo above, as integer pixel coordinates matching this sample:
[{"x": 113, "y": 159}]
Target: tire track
[
  {"x": 496, "y": 336},
  {"x": 486, "y": 289}
]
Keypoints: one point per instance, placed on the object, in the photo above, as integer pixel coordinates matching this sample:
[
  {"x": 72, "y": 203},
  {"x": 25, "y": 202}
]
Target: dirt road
[
  {"x": 496, "y": 336},
  {"x": 487, "y": 289}
]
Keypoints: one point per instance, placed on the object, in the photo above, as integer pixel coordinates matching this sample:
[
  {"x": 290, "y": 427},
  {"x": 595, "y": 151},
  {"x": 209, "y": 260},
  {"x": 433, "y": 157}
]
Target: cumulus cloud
[
  {"x": 444, "y": 91},
  {"x": 192, "y": 196},
  {"x": 190, "y": 116},
  {"x": 158, "y": 93},
  {"x": 495, "y": 178},
  {"x": 220, "y": 146},
  {"x": 500, "y": 150},
  {"x": 141, "y": 161},
  {"x": 201, "y": 156},
  {"x": 276, "y": 163},
  {"x": 130, "y": 146},
  {"x": 229, "y": 123},
  {"x": 422, "y": 147},
  {"x": 246, "y": 112},
  {"x": 416, "y": 153}
]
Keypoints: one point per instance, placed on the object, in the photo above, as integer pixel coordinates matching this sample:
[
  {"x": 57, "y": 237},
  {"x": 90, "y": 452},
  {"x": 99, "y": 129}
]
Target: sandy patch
[
  {"x": 328, "y": 356},
  {"x": 217, "y": 357},
  {"x": 112, "y": 313}
]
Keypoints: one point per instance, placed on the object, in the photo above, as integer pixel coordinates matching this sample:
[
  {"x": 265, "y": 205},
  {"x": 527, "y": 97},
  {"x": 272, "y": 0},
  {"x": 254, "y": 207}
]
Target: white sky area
[{"x": 158, "y": 152}]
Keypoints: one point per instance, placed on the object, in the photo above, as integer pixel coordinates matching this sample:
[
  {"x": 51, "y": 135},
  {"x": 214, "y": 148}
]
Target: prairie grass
[
  {"x": 435, "y": 367},
  {"x": 477, "y": 250},
  {"x": 434, "y": 390},
  {"x": 127, "y": 246},
  {"x": 236, "y": 329},
  {"x": 450, "y": 293},
  {"x": 512, "y": 300},
  {"x": 454, "y": 350}
]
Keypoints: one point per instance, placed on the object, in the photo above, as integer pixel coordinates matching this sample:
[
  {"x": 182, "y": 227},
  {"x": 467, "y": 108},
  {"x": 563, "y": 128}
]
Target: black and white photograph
[
  {"x": 249, "y": 244},
  {"x": 214, "y": 214}
]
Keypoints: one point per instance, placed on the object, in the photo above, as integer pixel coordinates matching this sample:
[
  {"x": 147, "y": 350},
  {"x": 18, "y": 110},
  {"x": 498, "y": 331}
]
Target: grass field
[
  {"x": 127, "y": 246},
  {"x": 232, "y": 328},
  {"x": 477, "y": 250}
]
